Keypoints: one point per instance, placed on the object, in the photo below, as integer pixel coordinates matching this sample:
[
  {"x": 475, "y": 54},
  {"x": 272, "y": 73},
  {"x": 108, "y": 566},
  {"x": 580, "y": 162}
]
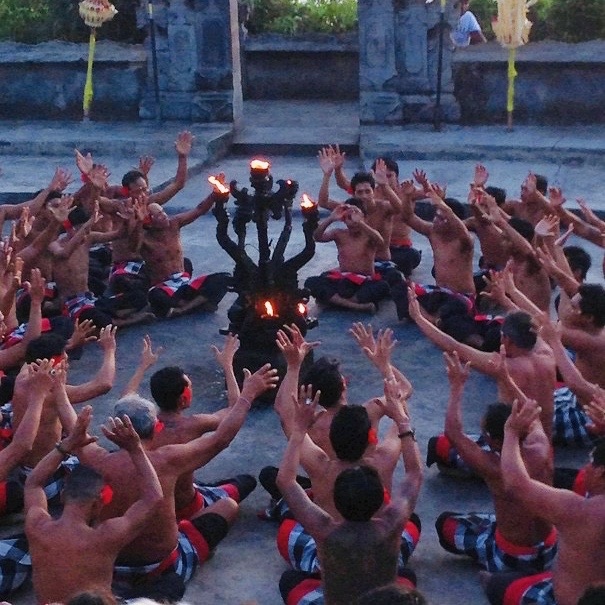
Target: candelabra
[{"x": 268, "y": 296}]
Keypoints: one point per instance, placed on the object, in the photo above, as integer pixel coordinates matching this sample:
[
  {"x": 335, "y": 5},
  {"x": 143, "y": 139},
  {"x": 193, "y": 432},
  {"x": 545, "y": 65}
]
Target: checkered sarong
[
  {"x": 531, "y": 590},
  {"x": 298, "y": 548},
  {"x": 570, "y": 420},
  {"x": 476, "y": 535},
  {"x": 15, "y": 563}
]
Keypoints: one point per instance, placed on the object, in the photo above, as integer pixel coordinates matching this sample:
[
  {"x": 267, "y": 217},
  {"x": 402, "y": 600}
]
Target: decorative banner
[
  {"x": 512, "y": 29},
  {"x": 94, "y": 13}
]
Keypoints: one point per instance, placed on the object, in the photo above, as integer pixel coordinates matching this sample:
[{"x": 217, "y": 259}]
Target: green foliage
[
  {"x": 19, "y": 17},
  {"x": 33, "y": 21},
  {"x": 303, "y": 16},
  {"x": 578, "y": 20}
]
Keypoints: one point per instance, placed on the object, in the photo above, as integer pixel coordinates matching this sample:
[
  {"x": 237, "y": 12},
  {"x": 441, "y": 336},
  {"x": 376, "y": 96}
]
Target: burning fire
[
  {"x": 217, "y": 185},
  {"x": 269, "y": 309},
  {"x": 301, "y": 308},
  {"x": 307, "y": 202},
  {"x": 259, "y": 165}
]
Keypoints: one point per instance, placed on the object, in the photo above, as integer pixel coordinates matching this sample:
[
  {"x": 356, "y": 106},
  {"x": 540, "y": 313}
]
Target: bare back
[{"x": 453, "y": 260}]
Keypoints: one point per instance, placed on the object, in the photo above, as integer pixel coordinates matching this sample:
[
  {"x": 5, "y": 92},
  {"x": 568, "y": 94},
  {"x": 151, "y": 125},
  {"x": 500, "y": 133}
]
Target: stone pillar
[
  {"x": 198, "y": 54},
  {"x": 398, "y": 54}
]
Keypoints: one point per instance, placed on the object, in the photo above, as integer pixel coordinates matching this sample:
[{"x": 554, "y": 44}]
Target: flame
[
  {"x": 307, "y": 202},
  {"x": 301, "y": 308},
  {"x": 269, "y": 309},
  {"x": 259, "y": 165},
  {"x": 217, "y": 185}
]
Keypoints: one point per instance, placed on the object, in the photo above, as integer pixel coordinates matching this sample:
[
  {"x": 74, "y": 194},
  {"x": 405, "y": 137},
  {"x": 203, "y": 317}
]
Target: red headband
[
  {"x": 158, "y": 427},
  {"x": 372, "y": 437}
]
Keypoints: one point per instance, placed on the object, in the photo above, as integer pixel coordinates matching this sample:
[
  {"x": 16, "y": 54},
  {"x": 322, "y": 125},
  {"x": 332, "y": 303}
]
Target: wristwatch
[{"x": 411, "y": 433}]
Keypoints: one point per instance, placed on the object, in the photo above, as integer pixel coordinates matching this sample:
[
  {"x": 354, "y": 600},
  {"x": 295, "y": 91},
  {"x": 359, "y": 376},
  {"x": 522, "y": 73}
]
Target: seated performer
[
  {"x": 173, "y": 290},
  {"x": 511, "y": 539},
  {"x": 359, "y": 537},
  {"x": 78, "y": 535},
  {"x": 578, "y": 520},
  {"x": 164, "y": 556},
  {"x": 354, "y": 284},
  {"x": 172, "y": 390}
]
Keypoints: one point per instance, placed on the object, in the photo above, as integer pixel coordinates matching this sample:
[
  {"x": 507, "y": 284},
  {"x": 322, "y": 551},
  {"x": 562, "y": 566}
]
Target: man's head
[
  {"x": 497, "y": 193},
  {"x": 142, "y": 414},
  {"x": 324, "y": 375},
  {"x": 134, "y": 181},
  {"x": 493, "y": 422},
  {"x": 517, "y": 329},
  {"x": 589, "y": 305},
  {"x": 83, "y": 484},
  {"x": 523, "y": 228},
  {"x": 349, "y": 432},
  {"x": 171, "y": 389},
  {"x": 46, "y": 346},
  {"x": 541, "y": 186},
  {"x": 358, "y": 493},
  {"x": 579, "y": 261},
  {"x": 362, "y": 186},
  {"x": 158, "y": 218},
  {"x": 593, "y": 595}
]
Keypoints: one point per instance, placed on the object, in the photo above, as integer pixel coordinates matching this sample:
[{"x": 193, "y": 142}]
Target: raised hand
[
  {"x": 84, "y": 162},
  {"x": 326, "y": 160},
  {"x": 338, "y": 157},
  {"x": 146, "y": 162},
  {"x": 595, "y": 410},
  {"x": 184, "y": 142},
  {"x": 495, "y": 289},
  {"x": 481, "y": 175},
  {"x": 121, "y": 432},
  {"x": 149, "y": 357},
  {"x": 555, "y": 196},
  {"x": 79, "y": 436},
  {"x": 306, "y": 410},
  {"x": 394, "y": 404},
  {"x": 293, "y": 345},
  {"x": 413, "y": 304},
  {"x": 380, "y": 172},
  {"x": 256, "y": 384},
  {"x": 36, "y": 376},
  {"x": 523, "y": 414},
  {"x": 61, "y": 211},
  {"x": 61, "y": 179},
  {"x": 421, "y": 178},
  {"x": 548, "y": 226},
  {"x": 225, "y": 355},
  {"x": 107, "y": 337},
  {"x": 99, "y": 176},
  {"x": 36, "y": 287},
  {"x": 84, "y": 332},
  {"x": 457, "y": 372}
]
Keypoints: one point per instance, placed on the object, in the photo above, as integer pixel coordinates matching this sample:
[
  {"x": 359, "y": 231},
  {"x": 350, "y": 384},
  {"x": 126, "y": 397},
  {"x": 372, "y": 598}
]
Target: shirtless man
[
  {"x": 380, "y": 205},
  {"x": 510, "y": 539},
  {"x": 352, "y": 285},
  {"x": 172, "y": 391},
  {"x": 173, "y": 291},
  {"x": 518, "y": 238},
  {"x": 351, "y": 509},
  {"x": 70, "y": 270},
  {"x": 529, "y": 361},
  {"x": 533, "y": 205},
  {"x": 162, "y": 547},
  {"x": 402, "y": 253},
  {"x": 579, "y": 521},
  {"x": 52, "y": 346},
  {"x": 59, "y": 547},
  {"x": 452, "y": 247}
]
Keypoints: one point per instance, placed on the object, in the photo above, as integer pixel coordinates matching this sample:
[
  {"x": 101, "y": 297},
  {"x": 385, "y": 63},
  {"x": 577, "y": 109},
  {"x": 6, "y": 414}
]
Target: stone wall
[
  {"x": 47, "y": 80},
  {"x": 309, "y": 67},
  {"x": 556, "y": 83}
]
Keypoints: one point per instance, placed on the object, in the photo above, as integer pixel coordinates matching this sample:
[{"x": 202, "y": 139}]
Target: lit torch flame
[
  {"x": 217, "y": 185},
  {"x": 302, "y": 308},
  {"x": 259, "y": 165},
  {"x": 307, "y": 202},
  {"x": 269, "y": 309}
]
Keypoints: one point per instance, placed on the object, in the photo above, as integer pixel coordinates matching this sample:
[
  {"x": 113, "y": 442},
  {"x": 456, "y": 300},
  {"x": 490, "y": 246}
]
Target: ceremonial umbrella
[
  {"x": 512, "y": 30},
  {"x": 94, "y": 13}
]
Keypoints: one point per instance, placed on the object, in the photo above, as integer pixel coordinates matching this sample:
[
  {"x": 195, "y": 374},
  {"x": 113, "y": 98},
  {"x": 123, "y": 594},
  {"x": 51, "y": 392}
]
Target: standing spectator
[{"x": 468, "y": 30}]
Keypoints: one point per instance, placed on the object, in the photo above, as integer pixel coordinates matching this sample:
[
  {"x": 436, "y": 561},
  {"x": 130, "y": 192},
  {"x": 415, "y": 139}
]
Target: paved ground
[{"x": 247, "y": 566}]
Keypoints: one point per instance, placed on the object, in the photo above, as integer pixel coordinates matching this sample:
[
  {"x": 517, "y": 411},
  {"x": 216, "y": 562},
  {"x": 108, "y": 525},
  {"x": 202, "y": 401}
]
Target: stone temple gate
[{"x": 198, "y": 56}]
